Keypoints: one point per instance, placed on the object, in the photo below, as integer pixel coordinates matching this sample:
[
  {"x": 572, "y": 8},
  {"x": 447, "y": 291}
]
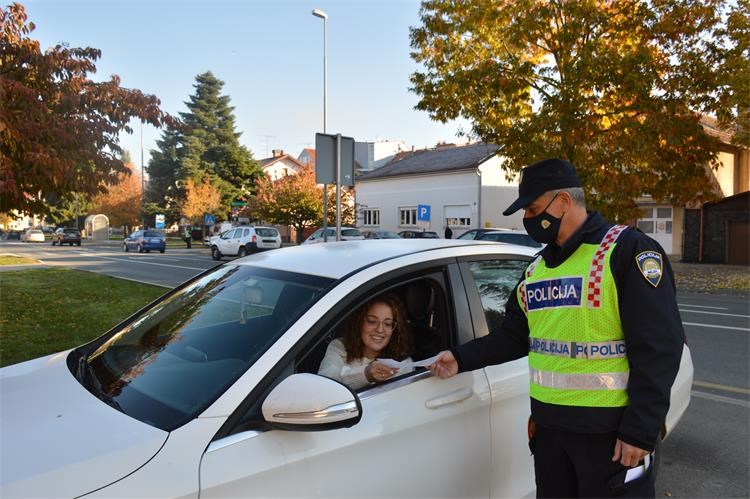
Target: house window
[
  {"x": 371, "y": 216},
  {"x": 459, "y": 222},
  {"x": 408, "y": 216},
  {"x": 457, "y": 215}
]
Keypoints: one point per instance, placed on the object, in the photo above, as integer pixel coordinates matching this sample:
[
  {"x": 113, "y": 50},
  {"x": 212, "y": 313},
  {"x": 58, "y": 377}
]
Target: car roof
[{"x": 339, "y": 258}]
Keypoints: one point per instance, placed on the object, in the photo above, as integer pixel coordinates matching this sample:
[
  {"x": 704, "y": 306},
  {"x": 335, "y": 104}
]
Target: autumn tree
[
  {"x": 58, "y": 129},
  {"x": 121, "y": 202},
  {"x": 347, "y": 205},
  {"x": 613, "y": 86},
  {"x": 200, "y": 198},
  {"x": 294, "y": 200}
]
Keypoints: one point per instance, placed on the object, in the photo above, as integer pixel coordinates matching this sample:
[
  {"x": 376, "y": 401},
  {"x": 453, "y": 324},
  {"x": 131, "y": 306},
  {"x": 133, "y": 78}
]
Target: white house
[
  {"x": 464, "y": 186},
  {"x": 280, "y": 165}
]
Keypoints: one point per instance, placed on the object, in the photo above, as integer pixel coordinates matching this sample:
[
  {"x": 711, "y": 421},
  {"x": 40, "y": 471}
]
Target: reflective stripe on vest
[
  {"x": 564, "y": 381},
  {"x": 579, "y": 350}
]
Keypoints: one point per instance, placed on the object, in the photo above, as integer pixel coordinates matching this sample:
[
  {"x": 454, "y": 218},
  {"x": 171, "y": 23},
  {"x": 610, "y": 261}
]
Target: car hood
[{"x": 59, "y": 440}]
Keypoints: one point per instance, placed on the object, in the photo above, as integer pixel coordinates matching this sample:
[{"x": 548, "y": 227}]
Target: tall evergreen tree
[{"x": 210, "y": 144}]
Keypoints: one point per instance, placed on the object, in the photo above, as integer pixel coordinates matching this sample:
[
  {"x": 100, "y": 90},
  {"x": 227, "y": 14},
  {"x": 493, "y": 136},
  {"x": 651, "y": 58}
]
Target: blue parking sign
[{"x": 423, "y": 213}]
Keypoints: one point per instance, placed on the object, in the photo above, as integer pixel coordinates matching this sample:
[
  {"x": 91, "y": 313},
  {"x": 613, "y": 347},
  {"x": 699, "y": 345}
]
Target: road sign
[
  {"x": 325, "y": 159},
  {"x": 159, "y": 221},
  {"x": 423, "y": 216},
  {"x": 209, "y": 219}
]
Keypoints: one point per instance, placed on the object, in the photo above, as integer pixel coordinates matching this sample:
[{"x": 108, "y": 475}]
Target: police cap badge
[{"x": 650, "y": 265}]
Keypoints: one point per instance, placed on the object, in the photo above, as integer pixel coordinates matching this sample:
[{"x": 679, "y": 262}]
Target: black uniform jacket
[{"x": 653, "y": 336}]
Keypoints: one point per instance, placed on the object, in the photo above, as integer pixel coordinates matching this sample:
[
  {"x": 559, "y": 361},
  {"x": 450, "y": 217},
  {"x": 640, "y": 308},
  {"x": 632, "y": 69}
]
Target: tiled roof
[
  {"x": 443, "y": 159},
  {"x": 269, "y": 161},
  {"x": 711, "y": 126}
]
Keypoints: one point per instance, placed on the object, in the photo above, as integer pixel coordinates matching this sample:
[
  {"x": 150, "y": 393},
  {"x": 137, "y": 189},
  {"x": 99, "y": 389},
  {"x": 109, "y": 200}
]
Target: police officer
[
  {"x": 596, "y": 314},
  {"x": 187, "y": 235}
]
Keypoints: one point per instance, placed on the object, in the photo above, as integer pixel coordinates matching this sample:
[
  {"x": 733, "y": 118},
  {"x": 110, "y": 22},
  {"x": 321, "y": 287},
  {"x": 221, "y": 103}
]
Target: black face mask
[{"x": 544, "y": 227}]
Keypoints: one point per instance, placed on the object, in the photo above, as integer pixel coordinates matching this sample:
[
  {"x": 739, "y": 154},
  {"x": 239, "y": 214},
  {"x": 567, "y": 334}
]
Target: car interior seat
[{"x": 419, "y": 298}]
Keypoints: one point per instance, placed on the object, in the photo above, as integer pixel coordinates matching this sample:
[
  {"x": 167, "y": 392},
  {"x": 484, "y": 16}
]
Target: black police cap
[{"x": 541, "y": 177}]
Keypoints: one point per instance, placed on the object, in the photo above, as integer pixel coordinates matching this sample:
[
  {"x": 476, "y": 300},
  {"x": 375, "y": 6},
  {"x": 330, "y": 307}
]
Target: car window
[
  {"x": 151, "y": 233},
  {"x": 170, "y": 363},
  {"x": 468, "y": 235},
  {"x": 263, "y": 232},
  {"x": 427, "y": 314},
  {"x": 245, "y": 232},
  {"x": 350, "y": 232},
  {"x": 495, "y": 281},
  {"x": 227, "y": 234}
]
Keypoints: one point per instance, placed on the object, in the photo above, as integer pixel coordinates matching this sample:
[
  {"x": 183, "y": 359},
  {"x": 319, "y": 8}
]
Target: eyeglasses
[{"x": 373, "y": 322}]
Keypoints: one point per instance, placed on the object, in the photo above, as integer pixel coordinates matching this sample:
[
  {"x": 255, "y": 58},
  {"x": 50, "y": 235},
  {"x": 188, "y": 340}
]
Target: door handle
[{"x": 450, "y": 398}]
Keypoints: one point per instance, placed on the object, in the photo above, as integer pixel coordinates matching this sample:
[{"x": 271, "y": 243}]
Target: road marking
[
  {"x": 714, "y": 313},
  {"x": 697, "y": 324},
  {"x": 719, "y": 398},
  {"x": 726, "y": 388},
  {"x": 701, "y": 306},
  {"x": 141, "y": 260}
]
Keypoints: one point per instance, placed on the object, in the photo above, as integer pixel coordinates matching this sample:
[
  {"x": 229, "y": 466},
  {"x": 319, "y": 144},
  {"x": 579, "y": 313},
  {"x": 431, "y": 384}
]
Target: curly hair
[{"x": 400, "y": 345}]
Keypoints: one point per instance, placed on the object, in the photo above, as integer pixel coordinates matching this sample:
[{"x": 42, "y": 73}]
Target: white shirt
[{"x": 334, "y": 366}]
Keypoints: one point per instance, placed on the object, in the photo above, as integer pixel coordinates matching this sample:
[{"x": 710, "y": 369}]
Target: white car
[
  {"x": 347, "y": 234},
  {"x": 33, "y": 236},
  {"x": 212, "y": 391},
  {"x": 244, "y": 241}
]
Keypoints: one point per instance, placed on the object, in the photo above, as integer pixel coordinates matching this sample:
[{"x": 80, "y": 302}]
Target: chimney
[{"x": 277, "y": 153}]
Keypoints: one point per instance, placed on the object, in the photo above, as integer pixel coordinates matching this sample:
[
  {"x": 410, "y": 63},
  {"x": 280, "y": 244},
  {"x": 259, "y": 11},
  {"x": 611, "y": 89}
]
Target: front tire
[
  {"x": 242, "y": 252},
  {"x": 161, "y": 251},
  {"x": 215, "y": 253}
]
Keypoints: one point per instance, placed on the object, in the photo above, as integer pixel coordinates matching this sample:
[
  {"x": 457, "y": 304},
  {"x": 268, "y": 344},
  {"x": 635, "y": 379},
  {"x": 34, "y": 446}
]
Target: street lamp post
[{"x": 319, "y": 13}]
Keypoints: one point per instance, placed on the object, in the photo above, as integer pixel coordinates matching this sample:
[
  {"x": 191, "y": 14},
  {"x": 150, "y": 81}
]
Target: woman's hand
[{"x": 377, "y": 371}]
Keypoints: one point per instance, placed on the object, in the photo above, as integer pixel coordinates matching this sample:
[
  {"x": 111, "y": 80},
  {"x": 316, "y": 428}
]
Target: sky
[{"x": 269, "y": 54}]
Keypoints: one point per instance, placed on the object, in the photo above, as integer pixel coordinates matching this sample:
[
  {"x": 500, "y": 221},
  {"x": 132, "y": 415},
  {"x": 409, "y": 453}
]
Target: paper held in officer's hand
[{"x": 406, "y": 364}]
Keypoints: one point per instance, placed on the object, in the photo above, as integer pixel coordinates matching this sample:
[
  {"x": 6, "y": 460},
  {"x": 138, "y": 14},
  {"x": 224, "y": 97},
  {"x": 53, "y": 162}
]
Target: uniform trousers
[{"x": 571, "y": 464}]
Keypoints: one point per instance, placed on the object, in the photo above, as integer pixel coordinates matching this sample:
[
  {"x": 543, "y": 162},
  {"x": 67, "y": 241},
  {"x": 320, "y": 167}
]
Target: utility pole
[{"x": 143, "y": 183}]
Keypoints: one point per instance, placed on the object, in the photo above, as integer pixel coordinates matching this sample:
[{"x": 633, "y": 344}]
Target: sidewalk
[{"x": 712, "y": 278}]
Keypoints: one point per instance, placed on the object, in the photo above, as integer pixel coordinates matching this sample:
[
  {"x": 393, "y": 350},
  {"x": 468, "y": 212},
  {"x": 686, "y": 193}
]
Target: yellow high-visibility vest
[{"x": 577, "y": 354}]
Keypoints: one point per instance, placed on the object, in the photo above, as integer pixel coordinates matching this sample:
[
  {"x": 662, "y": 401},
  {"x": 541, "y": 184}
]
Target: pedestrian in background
[
  {"x": 448, "y": 232},
  {"x": 188, "y": 236},
  {"x": 597, "y": 316}
]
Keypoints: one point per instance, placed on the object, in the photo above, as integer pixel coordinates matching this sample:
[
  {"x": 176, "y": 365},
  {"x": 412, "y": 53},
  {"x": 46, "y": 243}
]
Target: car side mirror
[{"x": 308, "y": 402}]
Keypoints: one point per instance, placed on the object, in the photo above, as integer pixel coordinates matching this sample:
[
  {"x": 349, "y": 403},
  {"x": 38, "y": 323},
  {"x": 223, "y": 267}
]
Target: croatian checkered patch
[{"x": 596, "y": 271}]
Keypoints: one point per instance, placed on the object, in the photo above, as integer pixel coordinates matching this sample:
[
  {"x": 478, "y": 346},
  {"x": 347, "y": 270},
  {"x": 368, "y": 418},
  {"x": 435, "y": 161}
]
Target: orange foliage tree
[
  {"x": 121, "y": 202},
  {"x": 200, "y": 199}
]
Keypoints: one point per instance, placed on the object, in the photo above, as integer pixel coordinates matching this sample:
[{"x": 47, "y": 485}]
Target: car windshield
[
  {"x": 350, "y": 233},
  {"x": 468, "y": 235},
  {"x": 151, "y": 233},
  {"x": 386, "y": 234},
  {"x": 171, "y": 362},
  {"x": 267, "y": 232}
]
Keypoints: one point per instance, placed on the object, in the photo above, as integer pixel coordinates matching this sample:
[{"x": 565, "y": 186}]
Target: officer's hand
[
  {"x": 628, "y": 455},
  {"x": 445, "y": 365}
]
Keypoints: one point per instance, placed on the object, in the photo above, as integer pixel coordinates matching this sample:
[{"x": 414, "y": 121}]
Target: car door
[
  {"x": 225, "y": 242},
  {"x": 419, "y": 436},
  {"x": 490, "y": 282}
]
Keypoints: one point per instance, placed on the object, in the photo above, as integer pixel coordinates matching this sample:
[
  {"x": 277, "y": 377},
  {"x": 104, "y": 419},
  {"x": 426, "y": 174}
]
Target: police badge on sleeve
[{"x": 650, "y": 265}]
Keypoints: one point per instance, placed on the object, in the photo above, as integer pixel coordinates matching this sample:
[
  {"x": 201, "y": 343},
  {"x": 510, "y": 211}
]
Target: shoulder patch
[{"x": 650, "y": 265}]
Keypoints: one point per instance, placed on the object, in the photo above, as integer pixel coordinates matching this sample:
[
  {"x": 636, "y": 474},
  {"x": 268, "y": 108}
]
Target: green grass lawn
[{"x": 43, "y": 311}]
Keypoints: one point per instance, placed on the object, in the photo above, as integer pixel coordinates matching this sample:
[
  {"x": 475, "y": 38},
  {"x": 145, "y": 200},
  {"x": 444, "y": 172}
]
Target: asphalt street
[{"x": 706, "y": 456}]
